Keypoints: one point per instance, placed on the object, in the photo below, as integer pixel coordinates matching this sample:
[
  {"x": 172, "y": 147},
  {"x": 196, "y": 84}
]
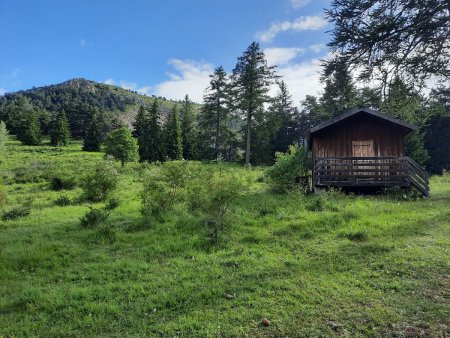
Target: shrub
[
  {"x": 100, "y": 181},
  {"x": 112, "y": 203},
  {"x": 62, "y": 201},
  {"x": 94, "y": 217},
  {"x": 20, "y": 211},
  {"x": 358, "y": 236},
  {"x": 105, "y": 233},
  {"x": 291, "y": 170},
  {"x": 63, "y": 181}
]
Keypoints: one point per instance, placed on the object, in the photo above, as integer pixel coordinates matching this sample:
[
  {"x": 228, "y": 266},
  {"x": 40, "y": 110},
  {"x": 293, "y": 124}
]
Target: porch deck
[{"x": 364, "y": 172}]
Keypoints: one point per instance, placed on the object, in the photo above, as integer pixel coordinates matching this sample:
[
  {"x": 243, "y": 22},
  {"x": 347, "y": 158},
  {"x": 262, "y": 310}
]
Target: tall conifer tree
[
  {"x": 60, "y": 132},
  {"x": 151, "y": 141},
  {"x": 173, "y": 135},
  {"x": 189, "y": 132},
  {"x": 95, "y": 134}
]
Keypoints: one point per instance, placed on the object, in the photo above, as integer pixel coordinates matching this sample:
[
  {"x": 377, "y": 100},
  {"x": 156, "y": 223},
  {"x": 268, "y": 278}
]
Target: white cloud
[
  {"x": 190, "y": 77},
  {"x": 303, "y": 23},
  {"x": 316, "y": 48},
  {"x": 302, "y": 79},
  {"x": 299, "y": 3},
  {"x": 281, "y": 56},
  {"x": 2, "y": 91},
  {"x": 109, "y": 82},
  {"x": 146, "y": 90},
  {"x": 128, "y": 85},
  {"x": 82, "y": 43}
]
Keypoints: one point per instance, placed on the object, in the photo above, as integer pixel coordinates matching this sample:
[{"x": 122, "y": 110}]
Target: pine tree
[
  {"x": 140, "y": 122},
  {"x": 95, "y": 134},
  {"x": 282, "y": 120},
  {"x": 31, "y": 134},
  {"x": 251, "y": 81},
  {"x": 4, "y": 134},
  {"x": 60, "y": 133},
  {"x": 340, "y": 92},
  {"x": 214, "y": 116},
  {"x": 173, "y": 135},
  {"x": 151, "y": 141},
  {"x": 189, "y": 132},
  {"x": 121, "y": 145}
]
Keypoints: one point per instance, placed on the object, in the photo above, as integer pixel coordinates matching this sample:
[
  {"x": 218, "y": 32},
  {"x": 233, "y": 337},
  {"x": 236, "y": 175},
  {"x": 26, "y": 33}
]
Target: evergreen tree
[
  {"x": 3, "y": 135},
  {"x": 151, "y": 142},
  {"x": 60, "y": 133},
  {"x": 437, "y": 131},
  {"x": 311, "y": 115},
  {"x": 189, "y": 132},
  {"x": 251, "y": 80},
  {"x": 405, "y": 103},
  {"x": 340, "y": 92},
  {"x": 121, "y": 145},
  {"x": 140, "y": 122},
  {"x": 214, "y": 116},
  {"x": 31, "y": 134},
  {"x": 173, "y": 135},
  {"x": 95, "y": 134},
  {"x": 282, "y": 120}
]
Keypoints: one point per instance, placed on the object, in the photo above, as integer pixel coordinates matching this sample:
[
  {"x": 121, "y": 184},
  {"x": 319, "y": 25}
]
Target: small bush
[
  {"x": 105, "y": 233},
  {"x": 20, "y": 211},
  {"x": 358, "y": 236},
  {"x": 291, "y": 170},
  {"x": 62, "y": 201},
  {"x": 94, "y": 217},
  {"x": 100, "y": 181},
  {"x": 63, "y": 181},
  {"x": 112, "y": 203}
]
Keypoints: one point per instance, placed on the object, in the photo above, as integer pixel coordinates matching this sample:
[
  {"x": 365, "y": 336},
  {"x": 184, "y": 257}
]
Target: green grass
[{"x": 314, "y": 266}]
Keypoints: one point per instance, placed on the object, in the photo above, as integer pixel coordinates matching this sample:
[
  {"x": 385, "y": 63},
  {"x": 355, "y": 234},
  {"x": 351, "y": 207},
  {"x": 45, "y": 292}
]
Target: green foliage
[
  {"x": 112, "y": 203},
  {"x": 4, "y": 134},
  {"x": 63, "y": 180},
  {"x": 189, "y": 131},
  {"x": 121, "y": 145},
  {"x": 94, "y": 217},
  {"x": 291, "y": 170},
  {"x": 95, "y": 133},
  {"x": 17, "y": 212},
  {"x": 62, "y": 201},
  {"x": 100, "y": 180},
  {"x": 152, "y": 147},
  {"x": 173, "y": 135},
  {"x": 31, "y": 134},
  {"x": 251, "y": 81},
  {"x": 60, "y": 133}
]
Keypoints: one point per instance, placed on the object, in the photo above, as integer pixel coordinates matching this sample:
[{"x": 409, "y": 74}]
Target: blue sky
[{"x": 165, "y": 48}]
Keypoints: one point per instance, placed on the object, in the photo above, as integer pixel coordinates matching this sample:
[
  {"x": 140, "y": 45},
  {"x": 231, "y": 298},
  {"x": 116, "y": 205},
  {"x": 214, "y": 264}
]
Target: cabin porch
[{"x": 369, "y": 172}]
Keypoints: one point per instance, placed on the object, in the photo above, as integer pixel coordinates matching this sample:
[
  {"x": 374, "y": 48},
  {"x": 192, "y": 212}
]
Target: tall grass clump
[
  {"x": 292, "y": 170},
  {"x": 100, "y": 181},
  {"x": 63, "y": 180}
]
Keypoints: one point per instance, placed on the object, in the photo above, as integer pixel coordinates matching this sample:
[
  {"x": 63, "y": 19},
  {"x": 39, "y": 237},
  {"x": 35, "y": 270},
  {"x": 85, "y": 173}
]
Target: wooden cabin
[{"x": 363, "y": 149}]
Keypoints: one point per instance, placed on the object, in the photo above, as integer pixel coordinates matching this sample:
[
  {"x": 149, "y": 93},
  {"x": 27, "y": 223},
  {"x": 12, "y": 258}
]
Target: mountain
[{"x": 79, "y": 98}]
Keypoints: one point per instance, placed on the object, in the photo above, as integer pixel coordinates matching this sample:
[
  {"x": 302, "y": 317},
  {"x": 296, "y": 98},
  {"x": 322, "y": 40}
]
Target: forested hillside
[{"x": 79, "y": 99}]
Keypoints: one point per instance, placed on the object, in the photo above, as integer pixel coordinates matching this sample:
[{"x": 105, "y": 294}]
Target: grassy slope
[{"x": 282, "y": 260}]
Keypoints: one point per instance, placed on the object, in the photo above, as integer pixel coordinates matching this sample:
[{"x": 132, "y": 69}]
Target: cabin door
[{"x": 363, "y": 149}]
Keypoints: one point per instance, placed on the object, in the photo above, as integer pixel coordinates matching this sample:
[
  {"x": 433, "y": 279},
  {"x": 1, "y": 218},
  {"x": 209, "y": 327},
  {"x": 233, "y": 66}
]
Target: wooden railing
[{"x": 370, "y": 171}]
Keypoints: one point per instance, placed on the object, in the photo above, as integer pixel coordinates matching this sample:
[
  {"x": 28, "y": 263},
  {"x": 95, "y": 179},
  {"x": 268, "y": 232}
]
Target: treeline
[{"x": 241, "y": 120}]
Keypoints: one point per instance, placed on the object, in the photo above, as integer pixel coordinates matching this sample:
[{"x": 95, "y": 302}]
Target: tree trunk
[{"x": 247, "y": 152}]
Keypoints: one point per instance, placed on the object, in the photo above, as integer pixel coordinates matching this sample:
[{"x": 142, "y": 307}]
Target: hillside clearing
[{"x": 332, "y": 265}]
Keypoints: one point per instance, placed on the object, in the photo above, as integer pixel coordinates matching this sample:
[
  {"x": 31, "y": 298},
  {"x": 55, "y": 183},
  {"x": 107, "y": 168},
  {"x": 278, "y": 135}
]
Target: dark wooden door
[{"x": 363, "y": 148}]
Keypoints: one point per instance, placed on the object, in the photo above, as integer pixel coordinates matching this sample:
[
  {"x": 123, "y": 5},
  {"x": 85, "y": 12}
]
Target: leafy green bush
[
  {"x": 94, "y": 217},
  {"x": 291, "y": 170},
  {"x": 63, "y": 180},
  {"x": 100, "y": 181},
  {"x": 17, "y": 212},
  {"x": 62, "y": 201},
  {"x": 165, "y": 185},
  {"x": 112, "y": 203},
  {"x": 105, "y": 233}
]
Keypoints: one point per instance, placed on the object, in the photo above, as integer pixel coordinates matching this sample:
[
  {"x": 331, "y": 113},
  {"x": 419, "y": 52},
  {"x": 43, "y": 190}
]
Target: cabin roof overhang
[{"x": 407, "y": 128}]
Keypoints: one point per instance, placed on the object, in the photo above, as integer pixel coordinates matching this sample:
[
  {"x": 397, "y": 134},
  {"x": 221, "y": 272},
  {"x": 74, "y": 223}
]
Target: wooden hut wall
[{"x": 336, "y": 140}]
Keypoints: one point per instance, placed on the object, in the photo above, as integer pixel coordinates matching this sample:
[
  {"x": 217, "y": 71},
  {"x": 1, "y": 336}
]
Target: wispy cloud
[
  {"x": 303, "y": 23},
  {"x": 281, "y": 56},
  {"x": 296, "y": 4},
  {"x": 146, "y": 90},
  {"x": 189, "y": 77},
  {"x": 318, "y": 47},
  {"x": 128, "y": 85},
  {"x": 2, "y": 91},
  {"x": 82, "y": 43},
  {"x": 109, "y": 82}
]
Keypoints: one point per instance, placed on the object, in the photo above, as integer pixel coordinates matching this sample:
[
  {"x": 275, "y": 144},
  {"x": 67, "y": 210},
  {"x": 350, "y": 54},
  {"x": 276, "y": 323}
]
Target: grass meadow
[{"x": 314, "y": 266}]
